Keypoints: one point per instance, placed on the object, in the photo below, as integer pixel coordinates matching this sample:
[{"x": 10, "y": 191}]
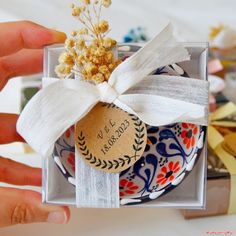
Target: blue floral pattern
[{"x": 164, "y": 148}]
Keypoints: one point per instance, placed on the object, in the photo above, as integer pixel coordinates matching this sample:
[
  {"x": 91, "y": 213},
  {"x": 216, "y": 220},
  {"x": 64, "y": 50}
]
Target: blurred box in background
[
  {"x": 221, "y": 171},
  {"x": 217, "y": 192},
  {"x": 30, "y": 86}
]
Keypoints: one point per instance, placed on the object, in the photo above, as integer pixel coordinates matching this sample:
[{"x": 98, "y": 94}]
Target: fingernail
[
  {"x": 59, "y": 36},
  {"x": 57, "y": 217}
]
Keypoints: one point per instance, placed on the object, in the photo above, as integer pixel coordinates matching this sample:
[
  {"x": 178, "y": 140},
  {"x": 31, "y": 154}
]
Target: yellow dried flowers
[
  {"x": 215, "y": 31},
  {"x": 83, "y": 31},
  {"x": 76, "y": 11},
  {"x": 86, "y": 2},
  {"x": 66, "y": 58},
  {"x": 89, "y": 53},
  {"x": 106, "y": 3},
  {"x": 102, "y": 27}
]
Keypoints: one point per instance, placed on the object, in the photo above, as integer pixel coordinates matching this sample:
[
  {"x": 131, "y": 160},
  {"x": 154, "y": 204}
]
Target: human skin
[{"x": 21, "y": 53}]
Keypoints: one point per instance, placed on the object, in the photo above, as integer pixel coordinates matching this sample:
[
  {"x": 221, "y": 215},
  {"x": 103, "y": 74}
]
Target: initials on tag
[{"x": 110, "y": 139}]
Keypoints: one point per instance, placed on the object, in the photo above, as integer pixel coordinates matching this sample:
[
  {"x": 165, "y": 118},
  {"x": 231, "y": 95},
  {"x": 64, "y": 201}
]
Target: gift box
[
  {"x": 61, "y": 187},
  {"x": 120, "y": 124},
  {"x": 220, "y": 193}
]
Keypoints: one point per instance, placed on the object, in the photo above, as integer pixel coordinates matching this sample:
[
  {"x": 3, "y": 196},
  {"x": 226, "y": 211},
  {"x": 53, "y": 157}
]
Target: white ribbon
[{"x": 62, "y": 103}]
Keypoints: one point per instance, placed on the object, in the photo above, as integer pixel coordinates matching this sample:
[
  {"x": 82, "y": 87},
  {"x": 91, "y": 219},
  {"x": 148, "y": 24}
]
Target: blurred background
[
  {"x": 193, "y": 21},
  {"x": 192, "y": 18}
]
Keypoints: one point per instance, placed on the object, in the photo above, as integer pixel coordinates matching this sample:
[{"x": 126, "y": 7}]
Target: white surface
[{"x": 193, "y": 19}]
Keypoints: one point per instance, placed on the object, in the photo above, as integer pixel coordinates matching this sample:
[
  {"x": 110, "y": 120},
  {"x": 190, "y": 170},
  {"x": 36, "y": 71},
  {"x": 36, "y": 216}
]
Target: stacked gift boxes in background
[
  {"x": 221, "y": 173},
  {"x": 220, "y": 195}
]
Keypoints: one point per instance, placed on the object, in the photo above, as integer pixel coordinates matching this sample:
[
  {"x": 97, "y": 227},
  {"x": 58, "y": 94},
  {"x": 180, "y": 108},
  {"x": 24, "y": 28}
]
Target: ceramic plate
[{"x": 170, "y": 154}]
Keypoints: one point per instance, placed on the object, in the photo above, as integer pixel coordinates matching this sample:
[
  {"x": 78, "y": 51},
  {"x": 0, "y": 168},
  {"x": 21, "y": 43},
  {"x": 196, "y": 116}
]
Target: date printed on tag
[{"x": 110, "y": 139}]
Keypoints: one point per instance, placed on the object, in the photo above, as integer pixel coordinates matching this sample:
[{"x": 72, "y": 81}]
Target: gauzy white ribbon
[{"x": 64, "y": 102}]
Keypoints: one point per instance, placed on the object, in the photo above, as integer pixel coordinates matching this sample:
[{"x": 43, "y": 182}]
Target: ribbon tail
[
  {"x": 53, "y": 110},
  {"x": 158, "y": 111},
  {"x": 176, "y": 87},
  {"x": 162, "y": 50}
]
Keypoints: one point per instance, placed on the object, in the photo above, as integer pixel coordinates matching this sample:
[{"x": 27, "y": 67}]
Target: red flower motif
[
  {"x": 71, "y": 160},
  {"x": 127, "y": 187},
  {"x": 168, "y": 173},
  {"x": 69, "y": 131},
  {"x": 188, "y": 134}
]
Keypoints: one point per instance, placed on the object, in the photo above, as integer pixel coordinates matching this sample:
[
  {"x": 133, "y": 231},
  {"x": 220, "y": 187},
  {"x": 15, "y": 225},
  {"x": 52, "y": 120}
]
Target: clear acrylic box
[{"x": 190, "y": 194}]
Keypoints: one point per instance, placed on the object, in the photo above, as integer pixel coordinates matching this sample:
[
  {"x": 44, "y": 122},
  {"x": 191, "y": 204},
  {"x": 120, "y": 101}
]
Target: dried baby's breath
[
  {"x": 103, "y": 26},
  {"x": 89, "y": 52},
  {"x": 69, "y": 44},
  {"x": 66, "y": 58},
  {"x": 73, "y": 33},
  {"x": 83, "y": 31},
  {"x": 76, "y": 11},
  {"x": 215, "y": 31},
  {"x": 106, "y": 3},
  {"x": 63, "y": 70},
  {"x": 86, "y": 2}
]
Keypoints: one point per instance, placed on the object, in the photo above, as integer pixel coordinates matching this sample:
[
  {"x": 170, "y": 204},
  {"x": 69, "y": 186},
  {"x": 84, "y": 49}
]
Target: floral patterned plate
[{"x": 170, "y": 154}]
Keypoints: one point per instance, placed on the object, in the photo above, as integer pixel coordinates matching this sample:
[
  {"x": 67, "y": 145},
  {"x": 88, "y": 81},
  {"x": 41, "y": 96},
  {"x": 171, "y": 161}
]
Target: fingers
[
  {"x": 8, "y": 133},
  {"x": 24, "y": 34},
  {"x": 12, "y": 172},
  {"x": 24, "y": 62},
  {"x": 24, "y": 206}
]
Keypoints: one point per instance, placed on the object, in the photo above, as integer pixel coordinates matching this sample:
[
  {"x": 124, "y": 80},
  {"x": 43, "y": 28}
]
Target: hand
[{"x": 21, "y": 53}]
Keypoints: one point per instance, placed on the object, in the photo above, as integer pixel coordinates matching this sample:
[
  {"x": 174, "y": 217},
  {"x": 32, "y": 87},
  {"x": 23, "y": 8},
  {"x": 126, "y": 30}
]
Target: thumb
[{"x": 24, "y": 206}]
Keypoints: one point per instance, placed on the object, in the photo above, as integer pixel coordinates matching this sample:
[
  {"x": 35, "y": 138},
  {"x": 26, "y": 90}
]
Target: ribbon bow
[{"x": 61, "y": 103}]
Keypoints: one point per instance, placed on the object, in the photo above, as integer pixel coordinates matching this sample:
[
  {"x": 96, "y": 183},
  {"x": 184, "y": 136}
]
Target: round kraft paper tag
[{"x": 110, "y": 139}]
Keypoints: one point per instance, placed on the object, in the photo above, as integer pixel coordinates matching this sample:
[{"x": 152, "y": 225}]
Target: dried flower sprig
[
  {"x": 215, "y": 31},
  {"x": 89, "y": 52}
]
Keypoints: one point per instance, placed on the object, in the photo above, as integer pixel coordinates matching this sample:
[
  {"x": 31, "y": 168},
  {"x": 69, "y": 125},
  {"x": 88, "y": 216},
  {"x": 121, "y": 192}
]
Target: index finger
[
  {"x": 8, "y": 133},
  {"x": 15, "y": 36}
]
